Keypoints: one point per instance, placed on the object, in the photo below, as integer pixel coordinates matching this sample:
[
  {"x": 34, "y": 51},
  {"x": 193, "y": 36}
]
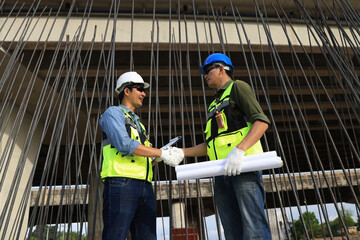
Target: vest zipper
[
  {"x": 215, "y": 149},
  {"x": 147, "y": 169}
]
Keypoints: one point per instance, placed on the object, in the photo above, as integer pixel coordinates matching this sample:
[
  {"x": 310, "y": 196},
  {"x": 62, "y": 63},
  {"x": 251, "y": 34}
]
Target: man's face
[
  {"x": 137, "y": 95},
  {"x": 211, "y": 75}
]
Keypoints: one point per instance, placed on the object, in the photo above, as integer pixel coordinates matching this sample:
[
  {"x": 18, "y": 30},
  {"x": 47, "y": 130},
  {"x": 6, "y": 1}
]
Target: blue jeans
[
  {"x": 128, "y": 204},
  {"x": 240, "y": 202}
]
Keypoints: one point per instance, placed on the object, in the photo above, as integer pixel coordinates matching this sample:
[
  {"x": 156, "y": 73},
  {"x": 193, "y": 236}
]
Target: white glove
[
  {"x": 172, "y": 156},
  {"x": 159, "y": 159},
  {"x": 234, "y": 161}
]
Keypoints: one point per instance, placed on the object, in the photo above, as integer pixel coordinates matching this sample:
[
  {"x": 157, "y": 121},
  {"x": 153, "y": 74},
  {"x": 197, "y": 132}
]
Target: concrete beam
[
  {"x": 276, "y": 106},
  {"x": 302, "y": 181},
  {"x": 143, "y": 7},
  {"x": 144, "y": 71},
  {"x": 197, "y": 32},
  {"x": 53, "y": 196},
  {"x": 305, "y": 182}
]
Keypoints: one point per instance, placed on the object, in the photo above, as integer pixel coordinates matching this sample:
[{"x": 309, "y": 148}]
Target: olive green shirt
[{"x": 243, "y": 99}]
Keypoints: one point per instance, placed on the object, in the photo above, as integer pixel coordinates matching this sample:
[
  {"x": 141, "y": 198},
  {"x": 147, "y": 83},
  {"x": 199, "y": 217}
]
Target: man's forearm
[
  {"x": 196, "y": 151},
  {"x": 145, "y": 151},
  {"x": 256, "y": 132}
]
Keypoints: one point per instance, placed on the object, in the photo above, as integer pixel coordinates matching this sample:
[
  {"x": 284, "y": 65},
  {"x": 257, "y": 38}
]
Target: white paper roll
[
  {"x": 211, "y": 170},
  {"x": 253, "y": 157}
]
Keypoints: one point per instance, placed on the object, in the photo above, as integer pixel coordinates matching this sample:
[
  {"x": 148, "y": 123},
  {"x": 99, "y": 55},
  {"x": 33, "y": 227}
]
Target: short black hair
[
  {"x": 121, "y": 94},
  {"x": 230, "y": 74}
]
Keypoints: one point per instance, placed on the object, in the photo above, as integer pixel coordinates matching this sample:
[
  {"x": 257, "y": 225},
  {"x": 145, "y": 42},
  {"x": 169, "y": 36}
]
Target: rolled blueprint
[
  {"x": 251, "y": 163},
  {"x": 206, "y": 164}
]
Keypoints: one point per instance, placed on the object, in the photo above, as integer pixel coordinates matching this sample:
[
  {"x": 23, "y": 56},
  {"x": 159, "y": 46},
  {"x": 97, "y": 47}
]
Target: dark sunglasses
[
  {"x": 207, "y": 70},
  {"x": 139, "y": 88}
]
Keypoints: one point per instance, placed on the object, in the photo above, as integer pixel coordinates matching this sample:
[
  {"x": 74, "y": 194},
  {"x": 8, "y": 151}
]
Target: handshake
[{"x": 172, "y": 156}]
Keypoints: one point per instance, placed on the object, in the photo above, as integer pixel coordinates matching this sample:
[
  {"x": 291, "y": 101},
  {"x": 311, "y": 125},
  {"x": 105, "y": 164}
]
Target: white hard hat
[{"x": 129, "y": 78}]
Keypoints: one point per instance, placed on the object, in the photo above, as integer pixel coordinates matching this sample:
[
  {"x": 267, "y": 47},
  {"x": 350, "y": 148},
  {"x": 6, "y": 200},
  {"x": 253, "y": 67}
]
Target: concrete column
[
  {"x": 276, "y": 223},
  {"x": 178, "y": 219},
  {"x": 14, "y": 160},
  {"x": 95, "y": 205}
]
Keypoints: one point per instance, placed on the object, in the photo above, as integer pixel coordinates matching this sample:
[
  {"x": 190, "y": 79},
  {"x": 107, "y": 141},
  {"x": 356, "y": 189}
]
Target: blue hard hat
[{"x": 214, "y": 58}]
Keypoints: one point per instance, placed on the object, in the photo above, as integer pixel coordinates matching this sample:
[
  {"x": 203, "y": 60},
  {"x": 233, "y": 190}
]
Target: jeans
[
  {"x": 240, "y": 202},
  {"x": 128, "y": 204}
]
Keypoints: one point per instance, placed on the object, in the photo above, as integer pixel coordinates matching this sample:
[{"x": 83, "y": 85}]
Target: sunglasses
[
  {"x": 207, "y": 70},
  {"x": 139, "y": 88}
]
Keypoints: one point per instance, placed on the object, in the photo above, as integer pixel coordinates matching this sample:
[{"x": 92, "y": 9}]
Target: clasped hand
[{"x": 172, "y": 156}]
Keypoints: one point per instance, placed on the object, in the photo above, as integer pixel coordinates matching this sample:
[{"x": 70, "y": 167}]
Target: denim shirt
[{"x": 112, "y": 123}]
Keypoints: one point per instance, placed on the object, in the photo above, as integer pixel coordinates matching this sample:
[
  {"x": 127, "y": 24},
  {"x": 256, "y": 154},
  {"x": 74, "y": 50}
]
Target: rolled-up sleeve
[
  {"x": 112, "y": 123},
  {"x": 248, "y": 103}
]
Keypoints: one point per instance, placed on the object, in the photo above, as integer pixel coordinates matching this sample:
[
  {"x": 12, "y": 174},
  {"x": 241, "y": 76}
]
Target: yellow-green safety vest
[
  {"x": 220, "y": 141},
  {"x": 131, "y": 166}
]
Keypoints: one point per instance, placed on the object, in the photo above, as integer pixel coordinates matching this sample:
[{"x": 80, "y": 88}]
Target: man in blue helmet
[{"x": 235, "y": 124}]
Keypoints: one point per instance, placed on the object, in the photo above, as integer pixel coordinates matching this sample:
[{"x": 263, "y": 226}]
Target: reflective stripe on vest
[
  {"x": 131, "y": 166},
  {"x": 222, "y": 141}
]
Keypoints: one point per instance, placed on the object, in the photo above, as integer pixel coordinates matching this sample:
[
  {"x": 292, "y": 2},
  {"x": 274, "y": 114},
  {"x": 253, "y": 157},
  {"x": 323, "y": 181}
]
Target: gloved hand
[
  {"x": 172, "y": 156},
  {"x": 234, "y": 161},
  {"x": 159, "y": 159}
]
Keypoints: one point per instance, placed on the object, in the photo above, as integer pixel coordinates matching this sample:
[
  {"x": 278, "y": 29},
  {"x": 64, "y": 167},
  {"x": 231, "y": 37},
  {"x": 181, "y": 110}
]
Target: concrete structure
[
  {"x": 59, "y": 71},
  {"x": 17, "y": 166},
  {"x": 302, "y": 182}
]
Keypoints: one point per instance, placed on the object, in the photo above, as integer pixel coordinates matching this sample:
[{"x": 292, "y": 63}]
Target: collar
[
  {"x": 126, "y": 109},
  {"x": 130, "y": 112},
  {"x": 223, "y": 88}
]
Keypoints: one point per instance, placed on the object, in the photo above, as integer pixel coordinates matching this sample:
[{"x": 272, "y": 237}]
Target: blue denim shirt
[{"x": 112, "y": 123}]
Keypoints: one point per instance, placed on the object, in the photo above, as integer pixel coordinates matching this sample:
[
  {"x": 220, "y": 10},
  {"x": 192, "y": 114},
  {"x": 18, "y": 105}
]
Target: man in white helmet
[{"x": 129, "y": 202}]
